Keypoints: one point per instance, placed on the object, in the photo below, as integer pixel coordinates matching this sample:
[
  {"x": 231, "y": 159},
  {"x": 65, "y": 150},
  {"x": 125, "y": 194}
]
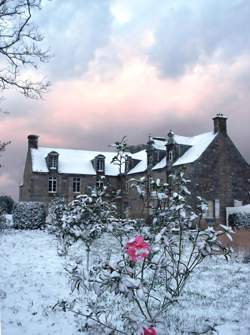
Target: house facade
[{"x": 217, "y": 170}]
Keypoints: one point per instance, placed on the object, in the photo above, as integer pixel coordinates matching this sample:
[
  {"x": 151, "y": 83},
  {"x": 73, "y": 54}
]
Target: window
[
  {"x": 99, "y": 184},
  {"x": 210, "y": 210},
  {"x": 76, "y": 184},
  {"x": 100, "y": 165},
  {"x": 53, "y": 162},
  {"x": 170, "y": 156},
  {"x": 217, "y": 208},
  {"x": 52, "y": 185}
]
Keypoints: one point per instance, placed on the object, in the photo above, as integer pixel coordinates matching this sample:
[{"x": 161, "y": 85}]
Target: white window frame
[
  {"x": 52, "y": 185},
  {"x": 210, "y": 209},
  {"x": 76, "y": 184},
  {"x": 53, "y": 162},
  {"x": 100, "y": 165},
  {"x": 217, "y": 208}
]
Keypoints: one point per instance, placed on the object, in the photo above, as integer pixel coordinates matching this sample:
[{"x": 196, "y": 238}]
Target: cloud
[
  {"x": 200, "y": 32},
  {"x": 74, "y": 30}
]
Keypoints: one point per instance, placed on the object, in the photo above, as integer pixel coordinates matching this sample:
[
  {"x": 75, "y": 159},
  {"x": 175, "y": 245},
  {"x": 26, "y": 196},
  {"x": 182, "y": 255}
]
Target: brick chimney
[
  {"x": 33, "y": 141},
  {"x": 220, "y": 123}
]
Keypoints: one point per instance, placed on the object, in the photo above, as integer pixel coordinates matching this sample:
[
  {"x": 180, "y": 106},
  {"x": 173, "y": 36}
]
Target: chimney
[
  {"x": 33, "y": 141},
  {"x": 220, "y": 123}
]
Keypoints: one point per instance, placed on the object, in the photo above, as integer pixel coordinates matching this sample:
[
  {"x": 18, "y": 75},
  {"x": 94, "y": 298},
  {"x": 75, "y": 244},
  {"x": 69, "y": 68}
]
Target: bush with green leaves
[{"x": 29, "y": 215}]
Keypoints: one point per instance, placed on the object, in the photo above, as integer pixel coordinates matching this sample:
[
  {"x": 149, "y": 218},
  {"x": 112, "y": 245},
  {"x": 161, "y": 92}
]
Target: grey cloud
[
  {"x": 74, "y": 30},
  {"x": 200, "y": 31}
]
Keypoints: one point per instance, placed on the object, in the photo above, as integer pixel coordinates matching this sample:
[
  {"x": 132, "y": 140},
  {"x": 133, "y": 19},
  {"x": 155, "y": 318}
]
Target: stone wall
[{"x": 220, "y": 173}]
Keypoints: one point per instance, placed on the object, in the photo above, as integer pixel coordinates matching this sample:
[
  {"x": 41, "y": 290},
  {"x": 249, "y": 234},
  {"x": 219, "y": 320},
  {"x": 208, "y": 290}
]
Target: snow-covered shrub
[
  {"x": 85, "y": 219},
  {"x": 29, "y": 215},
  {"x": 6, "y": 221},
  {"x": 54, "y": 222},
  {"x": 239, "y": 219},
  {"x": 2, "y": 221},
  {"x": 145, "y": 274}
]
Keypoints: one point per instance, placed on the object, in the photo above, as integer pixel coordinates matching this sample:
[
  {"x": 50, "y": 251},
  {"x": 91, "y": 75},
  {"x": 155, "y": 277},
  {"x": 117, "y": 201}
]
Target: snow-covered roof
[
  {"x": 72, "y": 161},
  {"x": 80, "y": 161},
  {"x": 142, "y": 165},
  {"x": 199, "y": 145},
  {"x": 159, "y": 144},
  {"x": 162, "y": 164}
]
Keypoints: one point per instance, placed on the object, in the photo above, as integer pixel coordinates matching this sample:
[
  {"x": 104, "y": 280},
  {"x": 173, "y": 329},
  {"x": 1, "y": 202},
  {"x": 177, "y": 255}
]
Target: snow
[
  {"x": 142, "y": 165},
  {"x": 80, "y": 161},
  {"x": 73, "y": 161},
  {"x": 199, "y": 145},
  {"x": 32, "y": 279},
  {"x": 162, "y": 164},
  {"x": 159, "y": 144}
]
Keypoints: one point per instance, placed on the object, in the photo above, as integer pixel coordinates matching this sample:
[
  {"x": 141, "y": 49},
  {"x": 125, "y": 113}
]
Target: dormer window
[
  {"x": 52, "y": 160},
  {"x": 99, "y": 163},
  {"x": 170, "y": 156}
]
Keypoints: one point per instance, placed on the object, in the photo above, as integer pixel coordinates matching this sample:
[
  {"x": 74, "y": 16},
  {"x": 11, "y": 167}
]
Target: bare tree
[{"x": 19, "y": 39}]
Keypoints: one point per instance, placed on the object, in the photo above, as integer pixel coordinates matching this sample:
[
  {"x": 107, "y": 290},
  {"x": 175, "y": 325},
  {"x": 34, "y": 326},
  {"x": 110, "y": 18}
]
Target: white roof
[
  {"x": 72, "y": 161},
  {"x": 142, "y": 165},
  {"x": 198, "y": 144},
  {"x": 159, "y": 144},
  {"x": 162, "y": 164}
]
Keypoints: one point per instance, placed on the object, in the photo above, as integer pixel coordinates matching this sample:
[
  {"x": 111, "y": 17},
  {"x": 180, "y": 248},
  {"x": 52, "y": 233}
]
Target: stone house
[{"x": 217, "y": 170}]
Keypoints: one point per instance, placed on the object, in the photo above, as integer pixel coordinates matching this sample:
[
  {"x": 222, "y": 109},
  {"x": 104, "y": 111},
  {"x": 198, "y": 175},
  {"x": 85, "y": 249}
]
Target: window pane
[
  {"x": 217, "y": 208},
  {"x": 52, "y": 184},
  {"x": 76, "y": 184},
  {"x": 210, "y": 210}
]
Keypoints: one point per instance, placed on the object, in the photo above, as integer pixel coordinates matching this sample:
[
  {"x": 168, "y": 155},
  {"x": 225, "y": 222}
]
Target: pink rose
[
  {"x": 138, "y": 249},
  {"x": 149, "y": 331}
]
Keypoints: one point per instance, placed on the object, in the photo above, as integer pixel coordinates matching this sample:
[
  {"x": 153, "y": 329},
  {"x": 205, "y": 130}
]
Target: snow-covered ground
[{"x": 32, "y": 279}]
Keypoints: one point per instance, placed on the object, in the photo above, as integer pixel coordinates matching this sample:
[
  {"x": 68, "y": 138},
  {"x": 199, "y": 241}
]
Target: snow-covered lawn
[{"x": 32, "y": 279}]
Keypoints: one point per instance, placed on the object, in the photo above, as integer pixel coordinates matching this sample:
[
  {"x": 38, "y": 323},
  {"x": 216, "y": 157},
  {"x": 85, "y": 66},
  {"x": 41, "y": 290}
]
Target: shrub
[
  {"x": 143, "y": 274},
  {"x": 240, "y": 219},
  {"x": 54, "y": 222},
  {"x": 2, "y": 222},
  {"x": 6, "y": 204},
  {"x": 29, "y": 215}
]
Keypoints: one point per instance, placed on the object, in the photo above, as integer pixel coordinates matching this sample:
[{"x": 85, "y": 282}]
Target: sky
[{"x": 134, "y": 68}]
